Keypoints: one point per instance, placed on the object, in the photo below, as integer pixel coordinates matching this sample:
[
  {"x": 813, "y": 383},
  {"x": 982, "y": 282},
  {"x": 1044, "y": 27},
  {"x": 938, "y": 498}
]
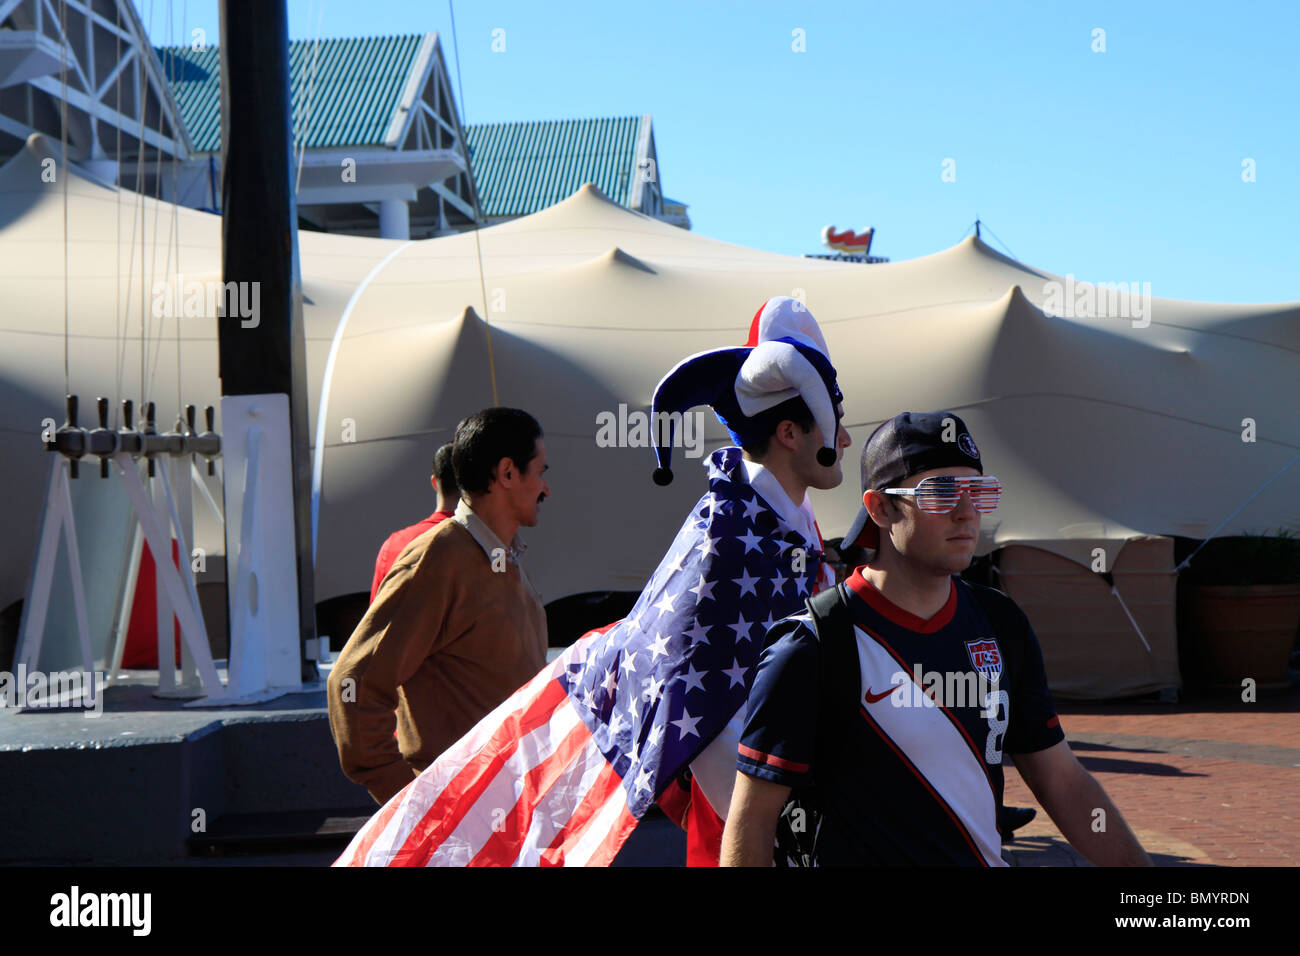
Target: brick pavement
[{"x": 1205, "y": 782}]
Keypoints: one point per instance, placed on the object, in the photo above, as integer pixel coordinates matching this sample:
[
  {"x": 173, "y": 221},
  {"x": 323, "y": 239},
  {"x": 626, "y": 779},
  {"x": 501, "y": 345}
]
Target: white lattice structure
[{"x": 95, "y": 56}]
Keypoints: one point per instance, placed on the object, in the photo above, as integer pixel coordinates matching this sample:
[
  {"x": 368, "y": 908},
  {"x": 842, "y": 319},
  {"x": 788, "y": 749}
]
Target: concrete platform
[
  {"x": 125, "y": 787},
  {"x": 149, "y": 778}
]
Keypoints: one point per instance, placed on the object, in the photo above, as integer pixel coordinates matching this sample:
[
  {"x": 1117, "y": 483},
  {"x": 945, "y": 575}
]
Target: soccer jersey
[{"x": 918, "y": 776}]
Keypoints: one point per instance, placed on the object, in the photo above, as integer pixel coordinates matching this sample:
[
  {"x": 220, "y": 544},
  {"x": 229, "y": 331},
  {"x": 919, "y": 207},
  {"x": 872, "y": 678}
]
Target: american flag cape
[{"x": 560, "y": 773}]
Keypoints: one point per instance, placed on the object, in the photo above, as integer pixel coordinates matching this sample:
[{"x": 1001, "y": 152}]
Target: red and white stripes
[{"x": 526, "y": 786}]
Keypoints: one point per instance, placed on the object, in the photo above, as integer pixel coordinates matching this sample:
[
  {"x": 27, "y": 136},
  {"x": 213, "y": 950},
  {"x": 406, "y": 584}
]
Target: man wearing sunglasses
[{"x": 948, "y": 677}]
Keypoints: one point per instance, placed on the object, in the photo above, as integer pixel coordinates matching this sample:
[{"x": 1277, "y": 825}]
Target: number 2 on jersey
[{"x": 997, "y": 706}]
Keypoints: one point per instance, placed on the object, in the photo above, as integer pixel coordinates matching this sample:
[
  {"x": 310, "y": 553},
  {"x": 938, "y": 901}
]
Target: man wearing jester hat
[
  {"x": 614, "y": 724},
  {"x": 763, "y": 553}
]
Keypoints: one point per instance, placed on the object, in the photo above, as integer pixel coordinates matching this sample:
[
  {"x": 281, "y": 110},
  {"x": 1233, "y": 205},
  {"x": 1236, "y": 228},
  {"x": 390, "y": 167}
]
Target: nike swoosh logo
[{"x": 875, "y": 698}]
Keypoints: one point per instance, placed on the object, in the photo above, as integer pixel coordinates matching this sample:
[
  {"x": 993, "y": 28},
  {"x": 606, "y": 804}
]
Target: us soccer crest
[{"x": 986, "y": 657}]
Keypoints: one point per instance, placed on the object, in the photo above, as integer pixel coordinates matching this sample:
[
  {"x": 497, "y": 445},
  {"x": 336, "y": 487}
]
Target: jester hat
[{"x": 785, "y": 357}]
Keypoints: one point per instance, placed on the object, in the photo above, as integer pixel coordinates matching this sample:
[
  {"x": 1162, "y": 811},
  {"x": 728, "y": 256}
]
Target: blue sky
[{"x": 1122, "y": 165}]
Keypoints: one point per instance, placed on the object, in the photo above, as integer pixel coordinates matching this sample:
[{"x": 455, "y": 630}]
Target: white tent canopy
[{"x": 1101, "y": 428}]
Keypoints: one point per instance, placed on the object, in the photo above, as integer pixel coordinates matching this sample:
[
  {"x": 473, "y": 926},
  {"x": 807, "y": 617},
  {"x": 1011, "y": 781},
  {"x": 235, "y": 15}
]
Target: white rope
[
  {"x": 119, "y": 345},
  {"x": 478, "y": 213},
  {"x": 311, "y": 92},
  {"x": 64, "y": 174},
  {"x": 157, "y": 210},
  {"x": 1118, "y": 597},
  {"x": 1188, "y": 560},
  {"x": 141, "y": 99},
  {"x": 1113, "y": 590},
  {"x": 176, "y": 220}
]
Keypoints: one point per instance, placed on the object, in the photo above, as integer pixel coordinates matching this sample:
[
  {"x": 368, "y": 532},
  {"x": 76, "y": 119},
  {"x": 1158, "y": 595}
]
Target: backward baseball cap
[{"x": 906, "y": 445}]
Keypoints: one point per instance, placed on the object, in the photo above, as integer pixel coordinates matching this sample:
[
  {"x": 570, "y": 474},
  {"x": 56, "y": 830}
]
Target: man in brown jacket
[{"x": 456, "y": 626}]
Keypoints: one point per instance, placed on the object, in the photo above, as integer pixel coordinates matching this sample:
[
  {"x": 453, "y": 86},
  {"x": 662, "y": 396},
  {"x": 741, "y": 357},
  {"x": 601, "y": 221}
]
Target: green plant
[{"x": 1248, "y": 559}]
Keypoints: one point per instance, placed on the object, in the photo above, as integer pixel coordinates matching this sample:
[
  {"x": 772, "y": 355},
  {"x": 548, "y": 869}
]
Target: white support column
[
  {"x": 183, "y": 492},
  {"x": 264, "y": 641},
  {"x": 126, "y": 601},
  {"x": 58, "y": 517},
  {"x": 165, "y": 618},
  {"x": 394, "y": 219},
  {"x": 174, "y": 480},
  {"x": 179, "y": 584}
]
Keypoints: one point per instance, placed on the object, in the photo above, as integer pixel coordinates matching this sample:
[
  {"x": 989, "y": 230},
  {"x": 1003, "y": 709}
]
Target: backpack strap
[
  {"x": 841, "y": 675},
  {"x": 836, "y": 692}
]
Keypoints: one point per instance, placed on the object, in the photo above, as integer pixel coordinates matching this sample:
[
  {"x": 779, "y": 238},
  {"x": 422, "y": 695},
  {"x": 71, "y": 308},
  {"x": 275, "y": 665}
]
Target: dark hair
[
  {"x": 486, "y": 437},
  {"x": 445, "y": 472},
  {"x": 794, "y": 410}
]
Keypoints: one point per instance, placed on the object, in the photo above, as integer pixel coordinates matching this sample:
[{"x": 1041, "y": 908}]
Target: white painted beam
[
  {"x": 107, "y": 114},
  {"x": 7, "y": 7},
  {"x": 415, "y": 83},
  {"x": 450, "y": 197},
  {"x": 344, "y": 193},
  {"x": 127, "y": 56}
]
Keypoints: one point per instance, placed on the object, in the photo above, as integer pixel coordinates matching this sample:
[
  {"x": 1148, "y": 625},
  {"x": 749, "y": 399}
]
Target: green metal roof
[
  {"x": 520, "y": 168},
  {"x": 357, "y": 86}
]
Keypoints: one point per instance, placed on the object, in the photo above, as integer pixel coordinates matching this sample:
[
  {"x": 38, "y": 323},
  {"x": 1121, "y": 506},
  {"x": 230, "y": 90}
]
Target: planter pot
[{"x": 1246, "y": 631}]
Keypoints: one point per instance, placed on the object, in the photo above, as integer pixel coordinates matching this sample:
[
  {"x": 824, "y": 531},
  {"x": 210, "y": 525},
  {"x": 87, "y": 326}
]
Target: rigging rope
[
  {"x": 63, "y": 173},
  {"x": 141, "y": 99},
  {"x": 311, "y": 90},
  {"x": 478, "y": 249},
  {"x": 118, "y": 349},
  {"x": 1188, "y": 560},
  {"x": 157, "y": 210},
  {"x": 176, "y": 199},
  {"x": 1000, "y": 242}
]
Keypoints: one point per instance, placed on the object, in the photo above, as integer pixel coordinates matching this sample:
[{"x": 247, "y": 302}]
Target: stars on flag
[
  {"x": 698, "y": 633},
  {"x": 654, "y": 686},
  {"x": 659, "y": 648},
  {"x": 629, "y": 662},
  {"x": 686, "y": 725},
  {"x": 747, "y": 583},
  {"x": 643, "y": 780},
  {"x": 703, "y": 590},
  {"x": 751, "y": 540},
  {"x": 694, "y": 679},
  {"x": 634, "y": 680}
]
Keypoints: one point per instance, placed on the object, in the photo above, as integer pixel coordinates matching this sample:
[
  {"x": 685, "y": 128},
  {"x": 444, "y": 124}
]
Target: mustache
[{"x": 541, "y": 498}]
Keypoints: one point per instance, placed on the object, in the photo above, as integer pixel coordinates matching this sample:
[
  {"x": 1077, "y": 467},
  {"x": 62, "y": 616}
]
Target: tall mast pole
[{"x": 261, "y": 343}]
